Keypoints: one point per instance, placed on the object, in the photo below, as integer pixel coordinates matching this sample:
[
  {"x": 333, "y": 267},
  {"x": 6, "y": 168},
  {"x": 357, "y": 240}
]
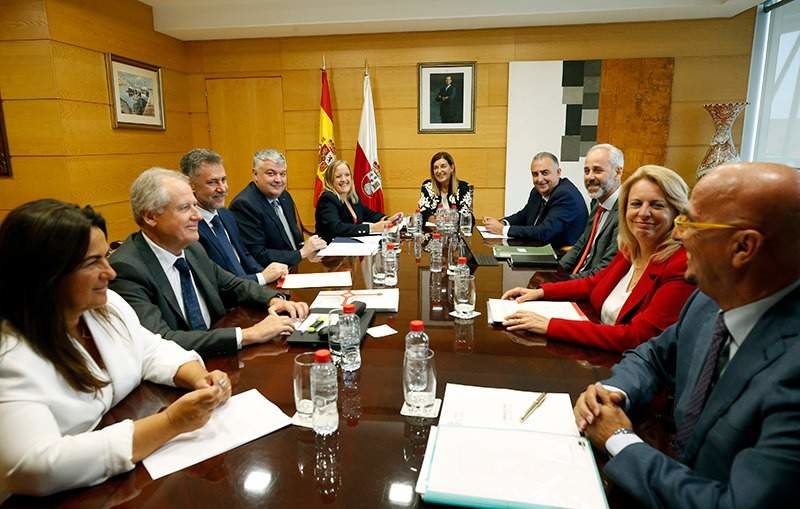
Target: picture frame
[
  {"x": 446, "y": 97},
  {"x": 5, "y": 155},
  {"x": 136, "y": 93}
]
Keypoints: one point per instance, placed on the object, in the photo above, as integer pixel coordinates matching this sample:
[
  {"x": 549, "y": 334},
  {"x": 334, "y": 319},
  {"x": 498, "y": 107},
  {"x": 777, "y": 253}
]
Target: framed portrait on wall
[
  {"x": 137, "y": 97},
  {"x": 446, "y": 97},
  {"x": 5, "y": 156}
]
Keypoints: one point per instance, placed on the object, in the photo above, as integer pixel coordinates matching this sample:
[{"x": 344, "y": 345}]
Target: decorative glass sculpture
[{"x": 722, "y": 149}]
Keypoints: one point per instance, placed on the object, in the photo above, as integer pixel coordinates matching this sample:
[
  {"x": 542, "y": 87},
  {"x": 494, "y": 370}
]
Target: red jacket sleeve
[{"x": 656, "y": 310}]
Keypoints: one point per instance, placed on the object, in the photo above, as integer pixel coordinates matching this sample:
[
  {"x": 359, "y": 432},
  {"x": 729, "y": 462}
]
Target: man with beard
[{"x": 602, "y": 173}]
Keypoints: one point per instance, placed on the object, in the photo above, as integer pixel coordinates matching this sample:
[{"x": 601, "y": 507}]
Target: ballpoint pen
[{"x": 536, "y": 404}]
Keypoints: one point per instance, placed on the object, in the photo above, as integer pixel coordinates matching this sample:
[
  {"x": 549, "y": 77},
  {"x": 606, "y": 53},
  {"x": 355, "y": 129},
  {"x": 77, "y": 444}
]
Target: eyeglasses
[{"x": 682, "y": 224}]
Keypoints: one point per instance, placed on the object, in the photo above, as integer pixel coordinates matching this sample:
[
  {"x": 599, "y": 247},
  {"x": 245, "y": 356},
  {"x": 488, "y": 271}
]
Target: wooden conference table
[{"x": 373, "y": 460}]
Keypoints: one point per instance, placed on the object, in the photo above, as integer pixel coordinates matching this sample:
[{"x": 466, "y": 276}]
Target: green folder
[{"x": 545, "y": 252}]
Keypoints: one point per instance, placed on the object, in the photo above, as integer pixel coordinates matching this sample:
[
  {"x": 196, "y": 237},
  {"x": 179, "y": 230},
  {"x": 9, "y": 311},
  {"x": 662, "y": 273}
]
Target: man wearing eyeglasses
[
  {"x": 732, "y": 360},
  {"x": 267, "y": 216}
]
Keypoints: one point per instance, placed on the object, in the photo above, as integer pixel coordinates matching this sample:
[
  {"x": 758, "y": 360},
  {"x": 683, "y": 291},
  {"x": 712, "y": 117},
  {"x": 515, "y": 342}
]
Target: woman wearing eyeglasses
[{"x": 641, "y": 292}]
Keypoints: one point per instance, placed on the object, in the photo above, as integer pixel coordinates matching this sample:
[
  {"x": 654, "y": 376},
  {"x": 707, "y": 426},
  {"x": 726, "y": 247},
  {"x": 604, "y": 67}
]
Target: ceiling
[{"x": 193, "y": 20}]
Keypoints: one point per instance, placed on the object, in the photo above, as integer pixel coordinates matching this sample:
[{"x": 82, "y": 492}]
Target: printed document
[
  {"x": 498, "y": 309},
  {"x": 316, "y": 280}
]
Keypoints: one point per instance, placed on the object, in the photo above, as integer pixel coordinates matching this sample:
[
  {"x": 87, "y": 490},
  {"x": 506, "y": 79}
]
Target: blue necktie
[
  {"x": 711, "y": 368},
  {"x": 191, "y": 305},
  {"x": 227, "y": 247}
]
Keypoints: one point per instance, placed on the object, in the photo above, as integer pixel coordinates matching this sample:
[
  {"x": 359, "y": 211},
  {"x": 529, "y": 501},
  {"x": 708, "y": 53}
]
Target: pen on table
[{"x": 536, "y": 404}]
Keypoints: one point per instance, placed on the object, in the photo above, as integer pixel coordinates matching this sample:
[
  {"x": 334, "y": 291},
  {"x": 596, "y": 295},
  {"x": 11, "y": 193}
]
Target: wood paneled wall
[
  {"x": 57, "y": 106},
  {"x": 52, "y": 77}
]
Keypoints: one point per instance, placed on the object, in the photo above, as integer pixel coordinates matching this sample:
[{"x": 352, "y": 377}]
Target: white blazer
[{"x": 47, "y": 442}]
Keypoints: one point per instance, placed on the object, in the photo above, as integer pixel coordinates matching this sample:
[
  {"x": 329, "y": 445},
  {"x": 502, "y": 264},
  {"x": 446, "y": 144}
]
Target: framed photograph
[
  {"x": 446, "y": 98},
  {"x": 137, "y": 98},
  {"x": 5, "y": 156}
]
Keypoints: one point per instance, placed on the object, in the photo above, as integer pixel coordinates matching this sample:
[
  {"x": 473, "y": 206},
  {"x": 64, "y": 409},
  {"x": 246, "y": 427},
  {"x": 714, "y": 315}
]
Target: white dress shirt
[
  {"x": 47, "y": 442},
  {"x": 209, "y": 216},
  {"x": 616, "y": 299}
]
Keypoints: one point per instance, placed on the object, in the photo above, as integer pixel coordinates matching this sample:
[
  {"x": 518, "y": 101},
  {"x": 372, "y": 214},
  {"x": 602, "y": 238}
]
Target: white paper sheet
[
  {"x": 486, "y": 407},
  {"x": 378, "y": 299},
  {"x": 348, "y": 249},
  {"x": 381, "y": 331},
  {"x": 243, "y": 418},
  {"x": 498, "y": 309},
  {"x": 486, "y": 234},
  {"x": 369, "y": 239},
  {"x": 317, "y": 280}
]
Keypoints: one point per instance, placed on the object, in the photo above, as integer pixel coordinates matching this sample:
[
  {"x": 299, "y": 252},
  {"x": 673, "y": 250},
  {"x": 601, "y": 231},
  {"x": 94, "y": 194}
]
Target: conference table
[{"x": 373, "y": 460}]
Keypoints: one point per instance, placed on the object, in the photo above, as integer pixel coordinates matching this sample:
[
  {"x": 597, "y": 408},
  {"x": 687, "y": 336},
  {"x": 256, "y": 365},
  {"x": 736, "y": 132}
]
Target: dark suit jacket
[
  {"x": 602, "y": 250},
  {"x": 652, "y": 306},
  {"x": 247, "y": 267},
  {"x": 560, "y": 223},
  {"x": 142, "y": 283},
  {"x": 334, "y": 220},
  {"x": 745, "y": 450},
  {"x": 262, "y": 231}
]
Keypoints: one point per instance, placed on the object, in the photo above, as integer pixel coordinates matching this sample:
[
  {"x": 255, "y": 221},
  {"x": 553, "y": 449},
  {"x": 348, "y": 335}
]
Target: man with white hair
[
  {"x": 174, "y": 287},
  {"x": 602, "y": 174}
]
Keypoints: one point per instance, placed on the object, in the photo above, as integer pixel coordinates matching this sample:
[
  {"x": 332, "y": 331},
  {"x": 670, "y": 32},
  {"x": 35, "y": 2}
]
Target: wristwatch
[{"x": 623, "y": 431}]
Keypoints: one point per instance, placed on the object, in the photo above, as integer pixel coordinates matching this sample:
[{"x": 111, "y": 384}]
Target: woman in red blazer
[{"x": 641, "y": 292}]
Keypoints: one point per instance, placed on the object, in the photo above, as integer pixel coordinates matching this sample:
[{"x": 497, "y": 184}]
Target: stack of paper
[
  {"x": 316, "y": 280},
  {"x": 348, "y": 249},
  {"x": 486, "y": 234},
  {"x": 377, "y": 299},
  {"x": 481, "y": 455},
  {"x": 498, "y": 309}
]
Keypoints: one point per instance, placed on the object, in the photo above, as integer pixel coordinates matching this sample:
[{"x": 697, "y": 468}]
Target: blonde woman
[
  {"x": 340, "y": 214},
  {"x": 642, "y": 290}
]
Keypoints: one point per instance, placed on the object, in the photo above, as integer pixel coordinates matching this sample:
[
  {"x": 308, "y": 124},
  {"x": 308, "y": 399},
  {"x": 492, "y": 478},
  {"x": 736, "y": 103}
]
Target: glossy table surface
[{"x": 374, "y": 458}]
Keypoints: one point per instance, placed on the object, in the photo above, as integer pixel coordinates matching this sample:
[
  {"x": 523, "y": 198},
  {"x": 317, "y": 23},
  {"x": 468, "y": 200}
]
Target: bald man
[{"x": 732, "y": 360}]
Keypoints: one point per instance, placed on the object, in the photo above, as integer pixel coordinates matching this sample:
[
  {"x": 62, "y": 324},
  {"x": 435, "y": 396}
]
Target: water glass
[
  {"x": 378, "y": 269},
  {"x": 419, "y": 378},
  {"x": 465, "y": 295},
  {"x": 302, "y": 385},
  {"x": 465, "y": 224}
]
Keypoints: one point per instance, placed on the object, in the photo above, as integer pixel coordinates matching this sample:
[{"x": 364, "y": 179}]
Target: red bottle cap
[
  {"x": 349, "y": 309},
  {"x": 417, "y": 210},
  {"x": 452, "y": 206},
  {"x": 437, "y": 235},
  {"x": 462, "y": 260},
  {"x": 417, "y": 325},
  {"x": 391, "y": 245},
  {"x": 322, "y": 356}
]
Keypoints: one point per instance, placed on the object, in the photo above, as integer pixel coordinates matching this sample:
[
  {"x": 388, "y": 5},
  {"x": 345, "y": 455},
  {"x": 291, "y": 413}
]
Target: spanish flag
[{"x": 327, "y": 149}]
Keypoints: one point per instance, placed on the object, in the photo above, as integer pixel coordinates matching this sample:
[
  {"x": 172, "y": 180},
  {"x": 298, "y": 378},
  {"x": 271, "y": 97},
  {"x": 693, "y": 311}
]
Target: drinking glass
[
  {"x": 302, "y": 385},
  {"x": 378, "y": 269},
  {"x": 465, "y": 224},
  {"x": 419, "y": 378},
  {"x": 465, "y": 295}
]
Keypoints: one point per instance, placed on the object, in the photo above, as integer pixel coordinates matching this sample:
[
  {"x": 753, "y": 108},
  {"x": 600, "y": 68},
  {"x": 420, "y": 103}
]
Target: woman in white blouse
[
  {"x": 70, "y": 349},
  {"x": 642, "y": 290}
]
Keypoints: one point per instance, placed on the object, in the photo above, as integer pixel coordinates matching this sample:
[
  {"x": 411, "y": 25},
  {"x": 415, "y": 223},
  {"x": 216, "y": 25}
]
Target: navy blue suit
[
  {"x": 561, "y": 220},
  {"x": 246, "y": 266},
  {"x": 745, "y": 448},
  {"x": 261, "y": 229}
]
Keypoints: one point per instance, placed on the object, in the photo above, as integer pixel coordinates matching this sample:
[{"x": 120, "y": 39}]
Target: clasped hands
[
  {"x": 493, "y": 225},
  {"x": 599, "y": 413},
  {"x": 525, "y": 320},
  {"x": 280, "y": 321}
]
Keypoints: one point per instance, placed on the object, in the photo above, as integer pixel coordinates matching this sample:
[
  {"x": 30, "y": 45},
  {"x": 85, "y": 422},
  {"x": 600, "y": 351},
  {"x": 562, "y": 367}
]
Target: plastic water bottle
[
  {"x": 435, "y": 247},
  {"x": 415, "y": 223},
  {"x": 440, "y": 216},
  {"x": 453, "y": 253},
  {"x": 324, "y": 391},
  {"x": 417, "y": 344},
  {"x": 418, "y": 246},
  {"x": 462, "y": 270},
  {"x": 390, "y": 266},
  {"x": 452, "y": 217},
  {"x": 350, "y": 338}
]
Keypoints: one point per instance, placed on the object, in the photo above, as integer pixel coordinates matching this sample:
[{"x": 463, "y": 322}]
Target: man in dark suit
[
  {"x": 449, "y": 105},
  {"x": 732, "y": 360},
  {"x": 172, "y": 284},
  {"x": 219, "y": 234},
  {"x": 555, "y": 213},
  {"x": 602, "y": 174},
  {"x": 267, "y": 216}
]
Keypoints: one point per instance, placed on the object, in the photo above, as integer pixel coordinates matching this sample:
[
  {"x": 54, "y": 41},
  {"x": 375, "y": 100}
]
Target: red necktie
[{"x": 589, "y": 240}]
